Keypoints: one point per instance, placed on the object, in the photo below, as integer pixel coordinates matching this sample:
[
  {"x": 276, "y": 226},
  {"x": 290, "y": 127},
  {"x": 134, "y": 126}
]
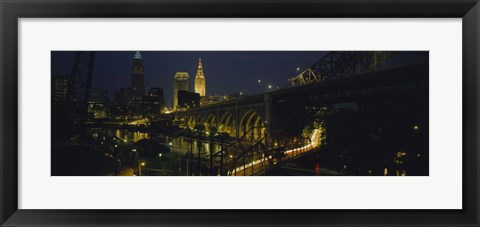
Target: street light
[
  {"x": 179, "y": 159},
  {"x": 140, "y": 164},
  {"x": 258, "y": 83}
]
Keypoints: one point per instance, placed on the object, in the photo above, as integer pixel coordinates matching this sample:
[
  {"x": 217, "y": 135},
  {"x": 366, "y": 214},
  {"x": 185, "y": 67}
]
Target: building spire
[
  {"x": 137, "y": 55},
  {"x": 200, "y": 69},
  {"x": 200, "y": 79}
]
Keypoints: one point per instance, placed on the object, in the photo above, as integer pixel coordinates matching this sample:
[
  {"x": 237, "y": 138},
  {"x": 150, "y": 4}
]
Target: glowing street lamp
[
  {"x": 258, "y": 83},
  {"x": 140, "y": 164},
  {"x": 179, "y": 159}
]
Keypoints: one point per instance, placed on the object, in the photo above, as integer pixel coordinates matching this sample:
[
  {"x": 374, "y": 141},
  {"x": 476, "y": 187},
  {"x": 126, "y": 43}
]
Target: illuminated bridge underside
[{"x": 283, "y": 110}]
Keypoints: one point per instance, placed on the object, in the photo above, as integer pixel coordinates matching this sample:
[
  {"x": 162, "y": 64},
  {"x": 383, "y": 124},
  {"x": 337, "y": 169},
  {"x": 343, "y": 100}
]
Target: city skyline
[{"x": 244, "y": 68}]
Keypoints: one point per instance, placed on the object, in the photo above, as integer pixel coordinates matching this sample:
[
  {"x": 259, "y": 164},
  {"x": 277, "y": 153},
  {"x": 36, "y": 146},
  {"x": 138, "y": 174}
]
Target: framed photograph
[{"x": 321, "y": 113}]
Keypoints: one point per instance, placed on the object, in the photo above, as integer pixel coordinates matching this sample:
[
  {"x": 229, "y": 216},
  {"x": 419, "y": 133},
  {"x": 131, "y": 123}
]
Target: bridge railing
[
  {"x": 227, "y": 155},
  {"x": 244, "y": 157}
]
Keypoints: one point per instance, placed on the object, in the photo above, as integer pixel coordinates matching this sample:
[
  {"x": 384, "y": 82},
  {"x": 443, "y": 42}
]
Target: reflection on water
[
  {"x": 125, "y": 135},
  {"x": 186, "y": 145},
  {"x": 180, "y": 144}
]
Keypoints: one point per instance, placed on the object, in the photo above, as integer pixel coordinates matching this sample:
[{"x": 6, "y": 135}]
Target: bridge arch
[
  {"x": 227, "y": 124},
  {"x": 199, "y": 119},
  {"x": 211, "y": 121},
  {"x": 191, "y": 121},
  {"x": 252, "y": 125}
]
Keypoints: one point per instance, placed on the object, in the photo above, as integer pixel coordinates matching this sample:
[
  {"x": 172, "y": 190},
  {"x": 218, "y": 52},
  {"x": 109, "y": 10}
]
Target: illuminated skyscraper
[
  {"x": 138, "y": 86},
  {"x": 180, "y": 82},
  {"x": 200, "y": 80}
]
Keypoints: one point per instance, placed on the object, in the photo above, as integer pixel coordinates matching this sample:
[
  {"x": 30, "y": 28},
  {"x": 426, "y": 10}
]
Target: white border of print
[{"x": 442, "y": 37}]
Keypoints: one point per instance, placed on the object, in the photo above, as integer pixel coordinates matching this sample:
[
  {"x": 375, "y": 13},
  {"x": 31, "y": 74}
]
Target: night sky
[{"x": 226, "y": 72}]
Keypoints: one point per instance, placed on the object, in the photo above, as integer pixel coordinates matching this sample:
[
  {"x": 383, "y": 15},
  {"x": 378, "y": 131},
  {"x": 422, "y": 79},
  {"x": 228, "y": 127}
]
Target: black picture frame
[{"x": 12, "y": 10}]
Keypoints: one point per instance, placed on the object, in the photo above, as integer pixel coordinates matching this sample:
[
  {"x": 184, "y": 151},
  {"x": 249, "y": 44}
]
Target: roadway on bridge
[{"x": 257, "y": 165}]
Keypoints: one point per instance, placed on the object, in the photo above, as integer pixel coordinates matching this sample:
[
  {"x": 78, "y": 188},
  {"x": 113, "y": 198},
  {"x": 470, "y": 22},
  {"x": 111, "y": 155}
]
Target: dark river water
[{"x": 181, "y": 145}]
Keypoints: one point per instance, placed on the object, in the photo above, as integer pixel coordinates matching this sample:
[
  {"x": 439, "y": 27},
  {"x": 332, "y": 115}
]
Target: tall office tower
[
  {"x": 138, "y": 86},
  {"x": 180, "y": 82},
  {"x": 200, "y": 79}
]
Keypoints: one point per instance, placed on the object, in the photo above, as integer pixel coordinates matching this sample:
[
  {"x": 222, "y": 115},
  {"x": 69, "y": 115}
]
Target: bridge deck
[{"x": 400, "y": 75}]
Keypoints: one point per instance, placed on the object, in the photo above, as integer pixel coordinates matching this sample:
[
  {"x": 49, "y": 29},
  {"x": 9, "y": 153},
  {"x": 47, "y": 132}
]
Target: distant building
[
  {"x": 153, "y": 102},
  {"x": 181, "y": 83},
  {"x": 156, "y": 91},
  {"x": 123, "y": 97},
  {"x": 188, "y": 99},
  {"x": 200, "y": 85},
  {"x": 138, "y": 85},
  {"x": 97, "y": 103},
  {"x": 151, "y": 105},
  {"x": 98, "y": 95},
  {"x": 60, "y": 88},
  {"x": 123, "y": 103}
]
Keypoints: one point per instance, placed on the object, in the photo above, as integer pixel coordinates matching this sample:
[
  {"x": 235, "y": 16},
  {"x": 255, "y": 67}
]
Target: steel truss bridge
[{"x": 80, "y": 84}]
